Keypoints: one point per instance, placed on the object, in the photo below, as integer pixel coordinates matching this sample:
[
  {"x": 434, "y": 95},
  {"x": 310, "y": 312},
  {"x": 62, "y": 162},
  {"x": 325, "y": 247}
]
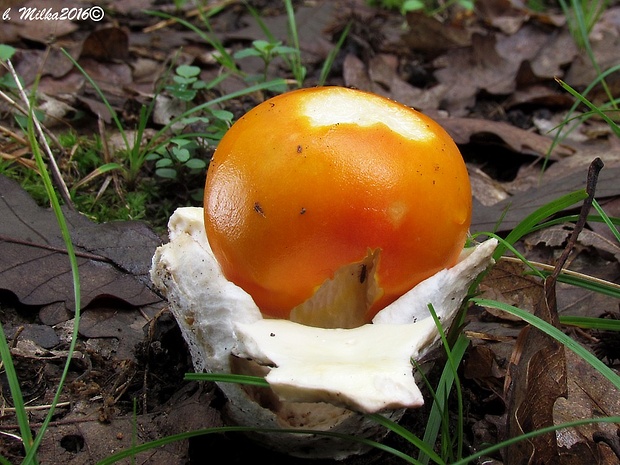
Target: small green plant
[
  {"x": 428, "y": 7},
  {"x": 136, "y": 152},
  {"x": 186, "y": 85},
  {"x": 179, "y": 154},
  {"x": 266, "y": 51},
  {"x": 292, "y": 59},
  {"x": 6, "y": 80},
  {"x": 183, "y": 154}
]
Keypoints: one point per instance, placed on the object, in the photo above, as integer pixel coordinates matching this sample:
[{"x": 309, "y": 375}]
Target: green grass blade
[
  {"x": 256, "y": 16},
  {"x": 408, "y": 436},
  {"x": 556, "y": 334},
  {"x": 542, "y": 213},
  {"x": 227, "y": 378},
  {"x": 559, "y": 135},
  {"x": 588, "y": 284},
  {"x": 446, "y": 381},
  {"x": 572, "y": 424},
  {"x": 242, "y": 429},
  {"x": 452, "y": 364},
  {"x": 588, "y": 322},
  {"x": 299, "y": 71},
  {"x": 508, "y": 246},
  {"x": 333, "y": 53},
  {"x": 16, "y": 392},
  {"x": 66, "y": 236},
  {"x": 573, "y": 218},
  {"x": 608, "y": 221},
  {"x": 612, "y": 124},
  {"x": 225, "y": 58}
]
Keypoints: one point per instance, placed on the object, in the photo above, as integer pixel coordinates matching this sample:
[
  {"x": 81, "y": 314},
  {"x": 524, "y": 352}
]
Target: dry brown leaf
[
  {"x": 536, "y": 378},
  {"x": 537, "y": 373},
  {"x": 590, "y": 395},
  {"x": 514, "y": 209},
  {"x": 189, "y": 409},
  {"x": 382, "y": 77},
  {"x": 507, "y": 282},
  {"x": 482, "y": 367},
  {"x": 498, "y": 63},
  {"x": 502, "y": 14},
  {"x": 463, "y": 130},
  {"x": 40, "y": 30},
  {"x": 110, "y": 43},
  {"x": 556, "y": 236},
  {"x": 540, "y": 95},
  {"x": 113, "y": 258},
  {"x": 429, "y": 34},
  {"x": 485, "y": 189}
]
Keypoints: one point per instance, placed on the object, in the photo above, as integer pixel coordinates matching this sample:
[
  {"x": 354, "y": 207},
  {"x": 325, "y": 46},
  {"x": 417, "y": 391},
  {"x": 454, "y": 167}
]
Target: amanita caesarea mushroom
[{"x": 334, "y": 335}]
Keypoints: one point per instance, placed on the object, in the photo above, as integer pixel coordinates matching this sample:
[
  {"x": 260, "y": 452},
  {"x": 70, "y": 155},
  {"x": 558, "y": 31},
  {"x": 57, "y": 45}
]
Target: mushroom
[
  {"x": 340, "y": 343},
  {"x": 312, "y": 180}
]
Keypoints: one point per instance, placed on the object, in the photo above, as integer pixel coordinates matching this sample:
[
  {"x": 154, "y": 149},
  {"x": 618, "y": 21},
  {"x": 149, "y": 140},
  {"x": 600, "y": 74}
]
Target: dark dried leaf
[
  {"x": 495, "y": 63},
  {"x": 514, "y": 209},
  {"x": 110, "y": 43},
  {"x": 536, "y": 378},
  {"x": 429, "y": 34},
  {"x": 190, "y": 409},
  {"x": 482, "y": 367},
  {"x": 463, "y": 130},
  {"x": 113, "y": 258},
  {"x": 537, "y": 374},
  {"x": 590, "y": 395},
  {"x": 508, "y": 283}
]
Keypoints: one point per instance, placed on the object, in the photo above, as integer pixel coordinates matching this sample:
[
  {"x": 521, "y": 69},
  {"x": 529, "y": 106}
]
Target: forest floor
[{"x": 488, "y": 76}]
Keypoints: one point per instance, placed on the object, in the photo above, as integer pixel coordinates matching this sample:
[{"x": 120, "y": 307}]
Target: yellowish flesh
[
  {"x": 342, "y": 106},
  {"x": 344, "y": 300}
]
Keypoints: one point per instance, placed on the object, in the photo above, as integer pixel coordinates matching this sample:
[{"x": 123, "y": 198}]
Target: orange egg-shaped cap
[{"x": 310, "y": 180}]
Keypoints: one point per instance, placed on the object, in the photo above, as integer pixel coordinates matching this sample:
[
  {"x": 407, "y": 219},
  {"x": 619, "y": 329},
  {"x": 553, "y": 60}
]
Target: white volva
[{"x": 319, "y": 378}]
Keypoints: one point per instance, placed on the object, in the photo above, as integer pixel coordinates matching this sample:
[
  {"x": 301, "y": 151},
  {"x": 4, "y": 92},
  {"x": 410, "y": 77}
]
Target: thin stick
[
  {"x": 595, "y": 167},
  {"x": 38, "y": 407},
  {"x": 566, "y": 271},
  {"x": 60, "y": 183}
]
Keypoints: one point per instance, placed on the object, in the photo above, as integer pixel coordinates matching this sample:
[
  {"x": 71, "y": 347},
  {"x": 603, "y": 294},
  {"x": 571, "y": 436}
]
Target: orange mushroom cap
[{"x": 310, "y": 180}]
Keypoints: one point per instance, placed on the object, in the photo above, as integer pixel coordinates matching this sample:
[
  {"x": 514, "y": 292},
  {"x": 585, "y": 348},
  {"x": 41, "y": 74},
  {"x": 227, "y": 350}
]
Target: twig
[
  {"x": 33, "y": 408},
  {"x": 11, "y": 435},
  {"x": 72, "y": 421},
  {"x": 8, "y": 132},
  {"x": 595, "y": 167},
  {"x": 24, "y": 112},
  {"x": 550, "y": 281},
  {"x": 565, "y": 271},
  {"x": 60, "y": 183}
]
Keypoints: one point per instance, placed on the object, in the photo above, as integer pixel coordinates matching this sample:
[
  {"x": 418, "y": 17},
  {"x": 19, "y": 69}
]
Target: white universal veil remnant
[{"x": 320, "y": 379}]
